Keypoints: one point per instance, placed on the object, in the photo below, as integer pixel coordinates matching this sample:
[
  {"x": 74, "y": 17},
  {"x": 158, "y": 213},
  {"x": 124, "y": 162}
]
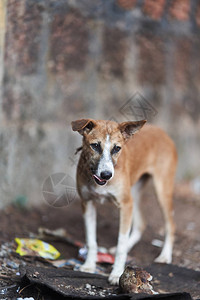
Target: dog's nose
[{"x": 106, "y": 175}]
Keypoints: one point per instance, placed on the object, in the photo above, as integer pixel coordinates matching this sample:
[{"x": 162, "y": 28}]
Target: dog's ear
[
  {"x": 83, "y": 125},
  {"x": 129, "y": 128}
]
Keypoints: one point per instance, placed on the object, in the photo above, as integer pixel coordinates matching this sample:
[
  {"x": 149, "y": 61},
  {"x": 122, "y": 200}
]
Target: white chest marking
[{"x": 102, "y": 194}]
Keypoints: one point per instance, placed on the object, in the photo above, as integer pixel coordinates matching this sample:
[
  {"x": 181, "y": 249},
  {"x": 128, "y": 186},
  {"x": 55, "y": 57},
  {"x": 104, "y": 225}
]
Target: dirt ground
[{"x": 18, "y": 222}]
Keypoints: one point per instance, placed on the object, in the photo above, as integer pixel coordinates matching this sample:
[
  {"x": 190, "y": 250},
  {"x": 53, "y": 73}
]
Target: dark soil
[{"x": 18, "y": 222}]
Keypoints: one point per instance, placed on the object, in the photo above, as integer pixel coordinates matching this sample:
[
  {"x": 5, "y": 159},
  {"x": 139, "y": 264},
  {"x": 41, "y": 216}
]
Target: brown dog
[{"x": 113, "y": 159}]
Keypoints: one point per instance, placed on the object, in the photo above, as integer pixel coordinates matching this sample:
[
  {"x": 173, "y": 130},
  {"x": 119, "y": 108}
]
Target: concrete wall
[{"x": 64, "y": 60}]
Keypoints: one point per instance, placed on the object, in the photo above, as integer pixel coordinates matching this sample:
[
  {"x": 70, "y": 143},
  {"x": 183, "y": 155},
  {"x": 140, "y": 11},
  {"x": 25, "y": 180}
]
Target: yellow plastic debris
[{"x": 35, "y": 247}]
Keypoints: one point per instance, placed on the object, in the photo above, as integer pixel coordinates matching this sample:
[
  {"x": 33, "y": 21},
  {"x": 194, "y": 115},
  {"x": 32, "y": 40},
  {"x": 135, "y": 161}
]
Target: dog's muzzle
[
  {"x": 105, "y": 176},
  {"x": 98, "y": 180}
]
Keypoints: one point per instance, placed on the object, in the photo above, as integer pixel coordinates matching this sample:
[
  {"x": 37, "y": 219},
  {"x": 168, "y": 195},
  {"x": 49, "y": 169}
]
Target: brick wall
[{"x": 63, "y": 60}]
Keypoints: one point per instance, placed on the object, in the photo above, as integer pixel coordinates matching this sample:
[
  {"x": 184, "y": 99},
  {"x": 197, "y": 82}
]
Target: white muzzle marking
[{"x": 105, "y": 163}]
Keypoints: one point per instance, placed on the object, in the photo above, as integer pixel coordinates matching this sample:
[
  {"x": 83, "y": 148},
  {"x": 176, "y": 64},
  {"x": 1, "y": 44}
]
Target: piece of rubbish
[
  {"x": 191, "y": 226},
  {"x": 59, "y": 234},
  {"x": 157, "y": 243},
  {"x": 102, "y": 257},
  {"x": 20, "y": 201},
  {"x": 59, "y": 263},
  {"x": 4, "y": 289},
  {"x": 35, "y": 247},
  {"x": 195, "y": 185},
  {"x": 98, "y": 270},
  {"x": 136, "y": 280},
  {"x": 105, "y": 258},
  {"x": 62, "y": 235},
  {"x": 102, "y": 249},
  {"x": 82, "y": 253},
  {"x": 75, "y": 264},
  {"x": 29, "y": 298},
  {"x": 11, "y": 264}
]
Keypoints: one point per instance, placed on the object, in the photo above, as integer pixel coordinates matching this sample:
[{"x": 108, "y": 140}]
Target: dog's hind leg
[
  {"x": 138, "y": 224},
  {"x": 164, "y": 182}
]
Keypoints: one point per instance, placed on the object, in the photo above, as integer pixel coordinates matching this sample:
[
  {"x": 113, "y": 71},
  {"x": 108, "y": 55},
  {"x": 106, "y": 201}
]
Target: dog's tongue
[{"x": 99, "y": 180}]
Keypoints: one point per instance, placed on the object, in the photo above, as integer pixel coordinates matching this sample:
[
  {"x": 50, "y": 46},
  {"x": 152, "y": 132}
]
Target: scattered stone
[
  {"x": 35, "y": 275},
  {"x": 88, "y": 286},
  {"x": 157, "y": 243}
]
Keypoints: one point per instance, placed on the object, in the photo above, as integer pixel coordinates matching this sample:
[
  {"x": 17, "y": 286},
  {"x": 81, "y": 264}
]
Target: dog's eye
[
  {"x": 115, "y": 149},
  {"x": 96, "y": 147}
]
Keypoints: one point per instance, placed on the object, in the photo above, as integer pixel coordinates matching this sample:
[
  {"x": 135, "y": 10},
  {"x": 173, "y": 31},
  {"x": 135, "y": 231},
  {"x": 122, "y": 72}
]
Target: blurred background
[{"x": 117, "y": 59}]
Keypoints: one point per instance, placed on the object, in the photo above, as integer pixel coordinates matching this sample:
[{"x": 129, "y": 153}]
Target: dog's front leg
[
  {"x": 122, "y": 245},
  {"x": 89, "y": 214}
]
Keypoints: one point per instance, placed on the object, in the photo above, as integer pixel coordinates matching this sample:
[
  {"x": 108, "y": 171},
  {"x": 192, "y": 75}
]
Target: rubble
[{"x": 166, "y": 278}]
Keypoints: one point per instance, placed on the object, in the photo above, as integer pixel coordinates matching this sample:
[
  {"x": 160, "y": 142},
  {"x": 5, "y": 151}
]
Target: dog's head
[{"x": 103, "y": 142}]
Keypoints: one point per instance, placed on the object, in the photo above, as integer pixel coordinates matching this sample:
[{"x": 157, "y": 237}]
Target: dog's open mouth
[{"x": 99, "y": 180}]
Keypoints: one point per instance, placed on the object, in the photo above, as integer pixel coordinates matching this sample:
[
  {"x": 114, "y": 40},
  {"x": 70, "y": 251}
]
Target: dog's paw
[
  {"x": 89, "y": 268},
  {"x": 112, "y": 250},
  {"x": 114, "y": 279},
  {"x": 163, "y": 259}
]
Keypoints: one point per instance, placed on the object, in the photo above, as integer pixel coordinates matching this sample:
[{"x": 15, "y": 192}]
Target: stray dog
[{"x": 113, "y": 159}]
